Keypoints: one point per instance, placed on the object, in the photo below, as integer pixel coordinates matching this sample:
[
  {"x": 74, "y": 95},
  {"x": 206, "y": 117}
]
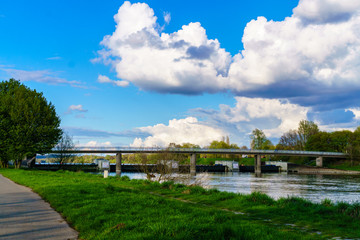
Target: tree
[
  {"x": 353, "y": 148},
  {"x": 305, "y": 131},
  {"x": 28, "y": 123},
  {"x": 259, "y": 140},
  {"x": 289, "y": 141},
  {"x": 320, "y": 141},
  {"x": 65, "y": 143}
]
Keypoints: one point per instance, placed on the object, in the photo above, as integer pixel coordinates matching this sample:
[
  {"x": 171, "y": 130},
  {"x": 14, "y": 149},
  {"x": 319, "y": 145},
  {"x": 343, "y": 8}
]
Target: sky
[{"x": 150, "y": 73}]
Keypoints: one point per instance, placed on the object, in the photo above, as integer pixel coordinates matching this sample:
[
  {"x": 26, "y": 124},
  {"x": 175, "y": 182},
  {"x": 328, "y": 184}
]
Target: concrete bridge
[{"x": 195, "y": 151}]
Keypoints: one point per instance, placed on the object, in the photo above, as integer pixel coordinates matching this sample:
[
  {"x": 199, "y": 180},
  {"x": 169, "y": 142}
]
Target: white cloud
[
  {"x": 76, "y": 108},
  {"x": 291, "y": 53},
  {"x": 54, "y": 58},
  {"x": 42, "y": 76},
  {"x": 178, "y": 131},
  {"x": 318, "y": 47},
  {"x": 355, "y": 111},
  {"x": 273, "y": 116},
  {"x": 105, "y": 79},
  {"x": 96, "y": 144},
  {"x": 167, "y": 17},
  {"x": 326, "y": 11},
  {"x": 164, "y": 62}
]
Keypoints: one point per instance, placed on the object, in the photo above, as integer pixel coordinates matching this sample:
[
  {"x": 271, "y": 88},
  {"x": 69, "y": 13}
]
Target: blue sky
[{"x": 147, "y": 74}]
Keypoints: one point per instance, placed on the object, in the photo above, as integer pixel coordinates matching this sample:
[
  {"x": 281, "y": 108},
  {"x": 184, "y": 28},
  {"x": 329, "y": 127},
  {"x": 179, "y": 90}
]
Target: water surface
[{"x": 313, "y": 187}]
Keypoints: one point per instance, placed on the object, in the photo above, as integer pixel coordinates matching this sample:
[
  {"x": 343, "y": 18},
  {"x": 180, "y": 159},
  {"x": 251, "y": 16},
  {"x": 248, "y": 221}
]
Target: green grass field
[{"x": 119, "y": 208}]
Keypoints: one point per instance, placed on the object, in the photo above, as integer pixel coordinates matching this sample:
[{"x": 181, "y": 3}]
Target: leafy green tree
[
  {"x": 219, "y": 145},
  {"x": 305, "y": 131},
  {"x": 320, "y": 141},
  {"x": 259, "y": 140},
  {"x": 222, "y": 145},
  {"x": 340, "y": 140},
  {"x": 353, "y": 148},
  {"x": 28, "y": 123}
]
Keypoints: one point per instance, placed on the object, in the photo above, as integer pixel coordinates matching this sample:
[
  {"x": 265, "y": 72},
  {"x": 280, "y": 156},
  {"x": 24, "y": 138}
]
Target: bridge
[{"x": 194, "y": 151}]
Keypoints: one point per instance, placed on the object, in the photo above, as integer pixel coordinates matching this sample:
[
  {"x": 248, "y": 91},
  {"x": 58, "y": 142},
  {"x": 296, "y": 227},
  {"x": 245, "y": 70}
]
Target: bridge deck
[{"x": 115, "y": 150}]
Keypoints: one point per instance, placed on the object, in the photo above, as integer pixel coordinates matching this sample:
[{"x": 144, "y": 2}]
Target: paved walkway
[{"x": 24, "y": 215}]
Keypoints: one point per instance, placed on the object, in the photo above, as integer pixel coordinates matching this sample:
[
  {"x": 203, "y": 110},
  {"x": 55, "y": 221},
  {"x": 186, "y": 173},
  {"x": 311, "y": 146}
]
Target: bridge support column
[
  {"x": 118, "y": 164},
  {"x": 257, "y": 164},
  {"x": 319, "y": 161},
  {"x": 193, "y": 164}
]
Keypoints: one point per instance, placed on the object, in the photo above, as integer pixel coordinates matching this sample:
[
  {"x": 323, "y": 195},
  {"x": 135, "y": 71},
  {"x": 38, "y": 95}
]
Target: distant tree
[
  {"x": 340, "y": 140},
  {"x": 189, "y": 145},
  {"x": 289, "y": 141},
  {"x": 219, "y": 145},
  {"x": 28, "y": 123},
  {"x": 353, "y": 148},
  {"x": 259, "y": 140},
  {"x": 222, "y": 145},
  {"x": 305, "y": 131},
  {"x": 65, "y": 143},
  {"x": 320, "y": 141}
]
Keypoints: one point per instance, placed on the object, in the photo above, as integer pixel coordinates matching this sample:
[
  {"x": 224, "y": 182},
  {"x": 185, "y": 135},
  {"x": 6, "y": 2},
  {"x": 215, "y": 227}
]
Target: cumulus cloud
[
  {"x": 105, "y": 79},
  {"x": 163, "y": 62},
  {"x": 307, "y": 57},
  {"x": 41, "y": 76},
  {"x": 178, "y": 131},
  {"x": 326, "y": 11},
  {"x": 76, "y": 108},
  {"x": 273, "y": 116},
  {"x": 356, "y": 112}
]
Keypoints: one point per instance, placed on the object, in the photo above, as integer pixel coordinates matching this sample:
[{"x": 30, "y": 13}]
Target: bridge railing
[{"x": 203, "y": 151}]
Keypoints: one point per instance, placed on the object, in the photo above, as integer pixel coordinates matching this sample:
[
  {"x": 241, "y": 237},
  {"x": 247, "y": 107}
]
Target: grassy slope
[
  {"x": 344, "y": 165},
  {"x": 116, "y": 208}
]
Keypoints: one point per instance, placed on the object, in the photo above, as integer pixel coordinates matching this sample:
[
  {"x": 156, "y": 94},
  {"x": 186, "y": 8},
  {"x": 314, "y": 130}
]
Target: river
[{"x": 312, "y": 187}]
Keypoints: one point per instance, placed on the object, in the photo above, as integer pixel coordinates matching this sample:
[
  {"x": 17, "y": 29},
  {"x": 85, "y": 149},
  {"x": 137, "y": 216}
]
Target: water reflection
[{"x": 312, "y": 187}]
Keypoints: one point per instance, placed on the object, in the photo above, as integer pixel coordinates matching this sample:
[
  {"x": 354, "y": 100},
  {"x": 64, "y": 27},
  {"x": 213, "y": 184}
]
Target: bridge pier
[
  {"x": 118, "y": 164},
  {"x": 193, "y": 164},
  {"x": 319, "y": 161},
  {"x": 257, "y": 164}
]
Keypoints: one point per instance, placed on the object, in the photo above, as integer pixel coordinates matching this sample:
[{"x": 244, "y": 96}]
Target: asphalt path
[{"x": 24, "y": 215}]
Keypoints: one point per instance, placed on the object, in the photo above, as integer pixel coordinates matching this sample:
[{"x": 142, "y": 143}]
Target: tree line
[{"x": 308, "y": 137}]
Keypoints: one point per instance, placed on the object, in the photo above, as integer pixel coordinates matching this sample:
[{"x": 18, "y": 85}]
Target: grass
[
  {"x": 344, "y": 165},
  {"x": 120, "y": 208}
]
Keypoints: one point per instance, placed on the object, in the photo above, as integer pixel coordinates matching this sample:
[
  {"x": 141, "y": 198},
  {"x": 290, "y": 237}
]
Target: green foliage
[
  {"x": 298, "y": 139},
  {"x": 28, "y": 123},
  {"x": 305, "y": 131},
  {"x": 259, "y": 140},
  {"x": 221, "y": 145}
]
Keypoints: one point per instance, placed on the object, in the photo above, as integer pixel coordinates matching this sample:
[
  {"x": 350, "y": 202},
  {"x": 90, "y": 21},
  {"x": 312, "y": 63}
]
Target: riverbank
[
  {"x": 302, "y": 169},
  {"x": 116, "y": 208}
]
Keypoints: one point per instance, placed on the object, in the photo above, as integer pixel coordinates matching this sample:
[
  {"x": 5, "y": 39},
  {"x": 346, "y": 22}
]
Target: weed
[
  {"x": 327, "y": 202},
  {"x": 260, "y": 198}
]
